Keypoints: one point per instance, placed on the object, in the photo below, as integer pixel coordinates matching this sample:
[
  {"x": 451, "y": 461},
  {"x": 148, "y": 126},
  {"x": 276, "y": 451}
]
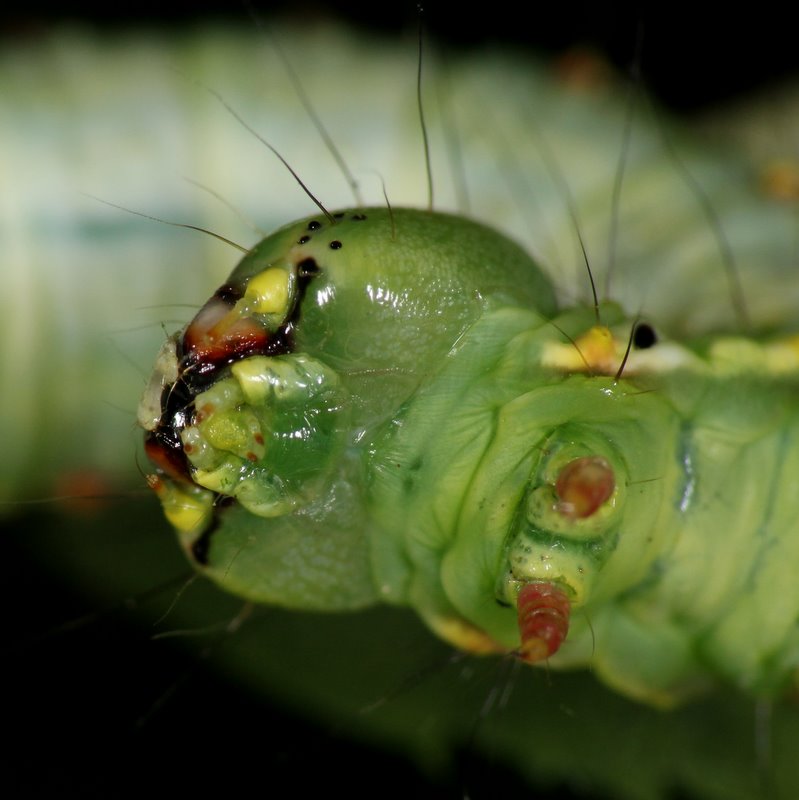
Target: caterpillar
[
  {"x": 394, "y": 395},
  {"x": 680, "y": 314}
]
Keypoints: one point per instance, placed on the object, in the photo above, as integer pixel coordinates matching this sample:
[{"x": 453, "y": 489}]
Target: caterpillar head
[{"x": 334, "y": 356}]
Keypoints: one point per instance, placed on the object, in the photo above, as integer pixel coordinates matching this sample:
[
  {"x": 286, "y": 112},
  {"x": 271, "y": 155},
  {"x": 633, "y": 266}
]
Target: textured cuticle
[{"x": 543, "y": 612}]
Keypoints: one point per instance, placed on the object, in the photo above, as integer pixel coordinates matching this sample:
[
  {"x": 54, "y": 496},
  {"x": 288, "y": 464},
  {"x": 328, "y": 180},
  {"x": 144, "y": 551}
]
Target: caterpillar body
[{"x": 398, "y": 410}]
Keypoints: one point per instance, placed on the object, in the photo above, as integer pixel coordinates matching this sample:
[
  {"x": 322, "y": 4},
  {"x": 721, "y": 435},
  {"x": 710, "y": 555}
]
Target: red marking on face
[
  {"x": 213, "y": 338},
  {"x": 204, "y": 412},
  {"x": 170, "y": 460}
]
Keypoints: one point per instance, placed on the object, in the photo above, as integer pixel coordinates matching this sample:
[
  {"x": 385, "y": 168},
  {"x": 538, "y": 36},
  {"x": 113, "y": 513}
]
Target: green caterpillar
[
  {"x": 664, "y": 246},
  {"x": 398, "y": 411}
]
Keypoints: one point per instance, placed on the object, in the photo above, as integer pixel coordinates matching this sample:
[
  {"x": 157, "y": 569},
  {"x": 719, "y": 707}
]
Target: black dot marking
[
  {"x": 314, "y": 225},
  {"x": 644, "y": 336},
  {"x": 335, "y": 245},
  {"x": 304, "y": 239},
  {"x": 201, "y": 546},
  {"x": 308, "y": 267},
  {"x": 359, "y": 217},
  {"x": 228, "y": 294},
  {"x": 338, "y": 214}
]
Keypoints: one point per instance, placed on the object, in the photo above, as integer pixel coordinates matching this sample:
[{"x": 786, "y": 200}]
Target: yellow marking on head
[
  {"x": 255, "y": 377},
  {"x": 187, "y": 509},
  {"x": 268, "y": 292},
  {"x": 596, "y": 351}
]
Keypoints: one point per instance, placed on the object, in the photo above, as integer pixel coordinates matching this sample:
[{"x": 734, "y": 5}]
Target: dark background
[{"x": 693, "y": 54}]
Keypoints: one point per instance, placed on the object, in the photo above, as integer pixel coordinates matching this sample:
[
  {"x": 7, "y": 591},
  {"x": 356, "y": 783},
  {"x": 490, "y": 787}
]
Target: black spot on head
[
  {"x": 229, "y": 294},
  {"x": 282, "y": 341},
  {"x": 644, "y": 336},
  {"x": 335, "y": 245},
  {"x": 308, "y": 267},
  {"x": 304, "y": 239},
  {"x": 314, "y": 225},
  {"x": 201, "y": 546},
  {"x": 359, "y": 217},
  {"x": 338, "y": 214}
]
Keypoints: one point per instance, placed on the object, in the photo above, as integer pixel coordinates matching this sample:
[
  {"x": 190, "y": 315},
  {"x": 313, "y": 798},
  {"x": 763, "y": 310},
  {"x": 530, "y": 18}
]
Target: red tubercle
[
  {"x": 584, "y": 486},
  {"x": 543, "y": 612},
  {"x": 203, "y": 412}
]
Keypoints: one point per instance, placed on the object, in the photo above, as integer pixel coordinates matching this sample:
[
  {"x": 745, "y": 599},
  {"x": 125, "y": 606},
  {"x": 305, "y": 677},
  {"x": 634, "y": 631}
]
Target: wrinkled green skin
[{"x": 444, "y": 422}]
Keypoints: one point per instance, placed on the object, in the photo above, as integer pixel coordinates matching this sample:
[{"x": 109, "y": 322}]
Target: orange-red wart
[
  {"x": 544, "y": 611},
  {"x": 583, "y": 486}
]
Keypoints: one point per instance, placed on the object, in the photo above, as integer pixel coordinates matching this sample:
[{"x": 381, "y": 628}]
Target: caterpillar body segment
[{"x": 391, "y": 407}]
